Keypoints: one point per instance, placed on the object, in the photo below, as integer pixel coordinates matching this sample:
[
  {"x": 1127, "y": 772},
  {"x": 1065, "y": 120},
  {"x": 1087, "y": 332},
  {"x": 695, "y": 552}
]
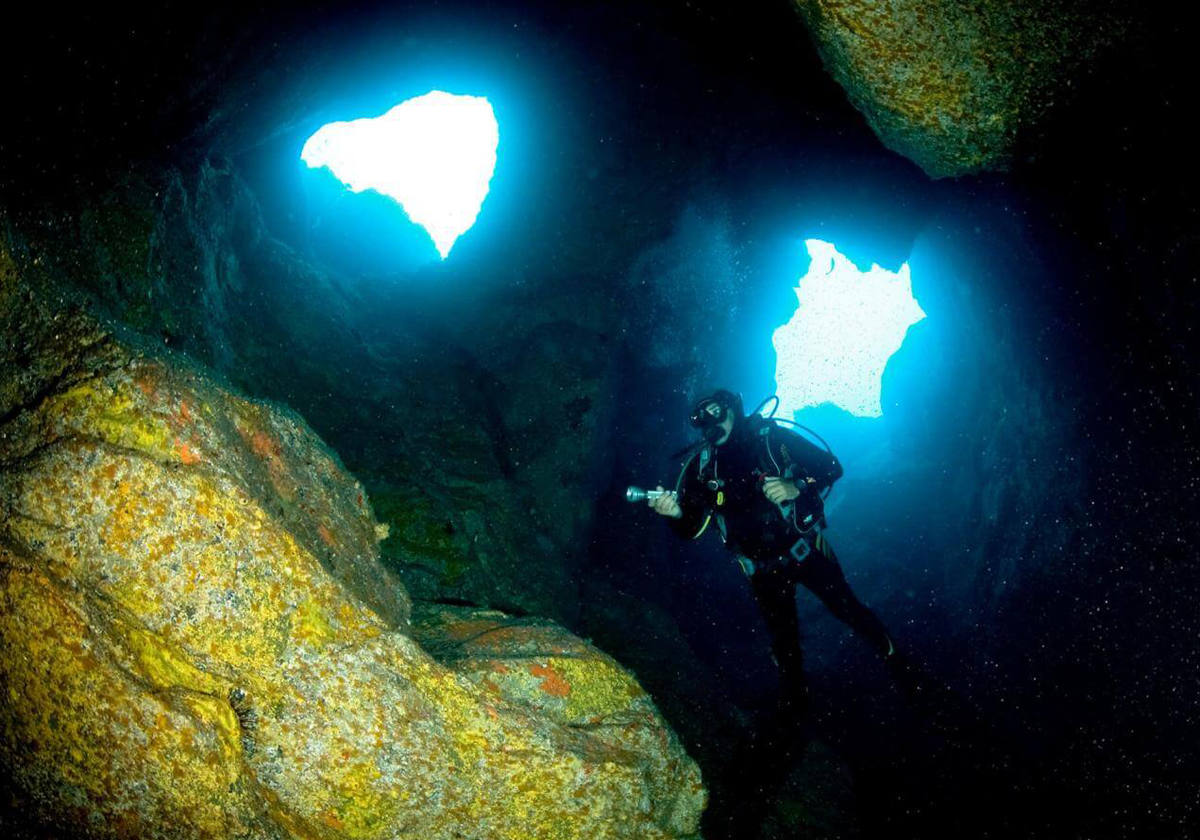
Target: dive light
[{"x": 637, "y": 494}]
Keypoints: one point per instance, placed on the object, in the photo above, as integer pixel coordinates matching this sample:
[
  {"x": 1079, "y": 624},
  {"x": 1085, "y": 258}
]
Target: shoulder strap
[
  {"x": 764, "y": 434},
  {"x": 704, "y": 454}
]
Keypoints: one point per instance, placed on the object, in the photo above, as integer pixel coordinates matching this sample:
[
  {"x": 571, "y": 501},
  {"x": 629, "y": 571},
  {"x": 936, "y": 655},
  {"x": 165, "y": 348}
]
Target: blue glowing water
[
  {"x": 434, "y": 154},
  {"x": 847, "y": 324}
]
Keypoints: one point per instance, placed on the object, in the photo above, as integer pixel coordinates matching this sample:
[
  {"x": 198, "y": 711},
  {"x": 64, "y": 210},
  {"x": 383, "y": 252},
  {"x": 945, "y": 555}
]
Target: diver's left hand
[{"x": 780, "y": 490}]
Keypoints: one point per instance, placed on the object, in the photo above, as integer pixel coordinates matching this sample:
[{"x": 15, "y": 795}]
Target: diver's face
[
  {"x": 726, "y": 427},
  {"x": 704, "y": 416}
]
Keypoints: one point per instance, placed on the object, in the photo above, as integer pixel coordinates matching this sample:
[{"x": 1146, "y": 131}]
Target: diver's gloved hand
[
  {"x": 666, "y": 505},
  {"x": 780, "y": 490}
]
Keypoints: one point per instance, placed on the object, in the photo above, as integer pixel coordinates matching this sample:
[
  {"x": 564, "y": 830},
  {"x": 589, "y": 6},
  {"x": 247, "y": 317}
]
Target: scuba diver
[{"x": 763, "y": 485}]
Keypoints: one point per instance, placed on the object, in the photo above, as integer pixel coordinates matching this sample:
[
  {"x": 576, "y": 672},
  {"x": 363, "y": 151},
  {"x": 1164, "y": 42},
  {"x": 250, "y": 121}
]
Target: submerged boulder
[
  {"x": 197, "y": 638},
  {"x": 951, "y": 85},
  {"x": 535, "y": 664}
]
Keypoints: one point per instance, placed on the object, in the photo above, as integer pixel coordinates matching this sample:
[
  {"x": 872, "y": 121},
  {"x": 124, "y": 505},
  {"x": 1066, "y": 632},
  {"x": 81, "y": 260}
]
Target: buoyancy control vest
[{"x": 729, "y": 479}]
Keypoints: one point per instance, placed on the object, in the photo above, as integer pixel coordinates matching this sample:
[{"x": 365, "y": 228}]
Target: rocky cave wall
[
  {"x": 960, "y": 88},
  {"x": 478, "y": 468},
  {"x": 198, "y": 639}
]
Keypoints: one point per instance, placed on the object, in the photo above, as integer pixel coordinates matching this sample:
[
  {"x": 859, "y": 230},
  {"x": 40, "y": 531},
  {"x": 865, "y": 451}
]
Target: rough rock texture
[
  {"x": 951, "y": 85},
  {"x": 197, "y": 639},
  {"x": 473, "y": 421},
  {"x": 73, "y": 396},
  {"x": 537, "y": 665},
  {"x": 489, "y": 486}
]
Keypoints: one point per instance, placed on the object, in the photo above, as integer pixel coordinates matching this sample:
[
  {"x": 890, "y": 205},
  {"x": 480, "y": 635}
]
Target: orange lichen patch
[
  {"x": 186, "y": 454},
  {"x": 326, "y": 535},
  {"x": 552, "y": 682},
  {"x": 463, "y": 629},
  {"x": 182, "y": 415},
  {"x": 263, "y": 445},
  {"x": 332, "y": 821},
  {"x": 486, "y": 635},
  {"x": 146, "y": 382},
  {"x": 271, "y": 452}
]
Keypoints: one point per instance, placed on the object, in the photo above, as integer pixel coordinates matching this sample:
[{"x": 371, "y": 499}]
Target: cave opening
[{"x": 434, "y": 155}]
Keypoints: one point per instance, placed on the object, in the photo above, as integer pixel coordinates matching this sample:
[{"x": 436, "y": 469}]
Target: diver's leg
[
  {"x": 822, "y": 574},
  {"x": 775, "y": 591}
]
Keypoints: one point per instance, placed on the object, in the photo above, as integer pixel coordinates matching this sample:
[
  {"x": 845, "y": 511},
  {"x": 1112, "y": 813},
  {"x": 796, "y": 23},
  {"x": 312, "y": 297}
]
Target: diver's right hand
[{"x": 667, "y": 504}]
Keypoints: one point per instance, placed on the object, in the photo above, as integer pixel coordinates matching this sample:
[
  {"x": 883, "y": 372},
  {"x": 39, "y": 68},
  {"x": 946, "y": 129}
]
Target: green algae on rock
[
  {"x": 197, "y": 638},
  {"x": 952, "y": 85}
]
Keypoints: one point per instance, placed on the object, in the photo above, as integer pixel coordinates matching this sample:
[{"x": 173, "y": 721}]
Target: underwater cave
[{"x": 336, "y": 338}]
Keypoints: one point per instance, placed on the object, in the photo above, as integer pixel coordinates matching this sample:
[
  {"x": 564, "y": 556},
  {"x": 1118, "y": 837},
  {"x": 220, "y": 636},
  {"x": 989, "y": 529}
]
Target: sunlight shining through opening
[
  {"x": 847, "y": 324},
  {"x": 434, "y": 154}
]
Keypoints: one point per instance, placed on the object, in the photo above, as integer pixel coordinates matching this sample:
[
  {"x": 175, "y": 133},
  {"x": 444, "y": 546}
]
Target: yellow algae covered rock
[
  {"x": 103, "y": 728},
  {"x": 951, "y": 84},
  {"x": 69, "y": 381},
  {"x": 197, "y": 638},
  {"x": 539, "y": 666}
]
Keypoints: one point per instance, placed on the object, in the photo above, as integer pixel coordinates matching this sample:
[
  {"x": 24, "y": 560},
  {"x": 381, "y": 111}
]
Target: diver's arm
[{"x": 809, "y": 461}]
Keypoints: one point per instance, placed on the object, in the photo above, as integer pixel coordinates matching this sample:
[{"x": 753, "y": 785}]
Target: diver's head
[{"x": 716, "y": 415}]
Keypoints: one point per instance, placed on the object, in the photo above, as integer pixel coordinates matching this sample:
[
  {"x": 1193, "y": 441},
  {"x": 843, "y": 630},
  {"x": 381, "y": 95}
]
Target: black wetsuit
[{"x": 723, "y": 488}]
